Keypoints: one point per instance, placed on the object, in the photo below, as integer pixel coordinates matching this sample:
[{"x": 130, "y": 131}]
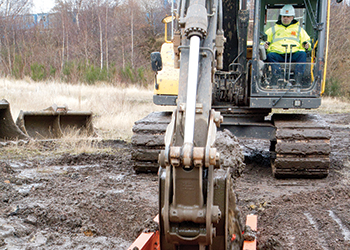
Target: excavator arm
[
  {"x": 197, "y": 204},
  {"x": 187, "y": 210}
]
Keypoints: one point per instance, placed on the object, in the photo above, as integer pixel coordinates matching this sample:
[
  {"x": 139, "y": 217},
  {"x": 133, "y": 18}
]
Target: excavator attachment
[
  {"x": 150, "y": 240},
  {"x": 8, "y": 129},
  {"x": 55, "y": 122},
  {"x": 147, "y": 240}
]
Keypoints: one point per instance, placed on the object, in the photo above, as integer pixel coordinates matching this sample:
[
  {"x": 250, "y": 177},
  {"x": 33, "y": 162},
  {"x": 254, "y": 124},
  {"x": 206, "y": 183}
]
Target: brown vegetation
[
  {"x": 81, "y": 41},
  {"x": 338, "y": 69},
  {"x": 89, "y": 41},
  {"x": 115, "y": 108}
]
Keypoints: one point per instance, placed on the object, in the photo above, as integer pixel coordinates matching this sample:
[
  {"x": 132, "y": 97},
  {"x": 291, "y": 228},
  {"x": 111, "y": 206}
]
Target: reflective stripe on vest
[{"x": 289, "y": 38}]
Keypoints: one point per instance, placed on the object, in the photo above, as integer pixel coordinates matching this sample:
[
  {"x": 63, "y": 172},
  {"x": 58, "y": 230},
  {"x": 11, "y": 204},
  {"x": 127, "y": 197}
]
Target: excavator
[{"x": 224, "y": 82}]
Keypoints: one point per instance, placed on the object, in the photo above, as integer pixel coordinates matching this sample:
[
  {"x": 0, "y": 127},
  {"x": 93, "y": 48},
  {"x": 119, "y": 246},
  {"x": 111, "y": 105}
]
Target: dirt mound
[
  {"x": 231, "y": 154},
  {"x": 87, "y": 159}
]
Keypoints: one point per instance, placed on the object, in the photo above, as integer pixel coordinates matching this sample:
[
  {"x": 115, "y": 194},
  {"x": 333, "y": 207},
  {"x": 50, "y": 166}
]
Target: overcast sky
[
  {"x": 43, "y": 5},
  {"x": 47, "y": 5}
]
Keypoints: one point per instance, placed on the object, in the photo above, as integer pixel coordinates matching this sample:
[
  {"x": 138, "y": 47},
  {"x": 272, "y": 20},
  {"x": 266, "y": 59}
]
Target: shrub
[
  {"x": 67, "y": 69},
  {"x": 333, "y": 87},
  {"x": 141, "y": 74},
  {"x": 52, "y": 71},
  {"x": 18, "y": 67},
  {"x": 71, "y": 72},
  {"x": 38, "y": 71},
  {"x": 128, "y": 74},
  {"x": 92, "y": 74},
  {"x": 135, "y": 75}
]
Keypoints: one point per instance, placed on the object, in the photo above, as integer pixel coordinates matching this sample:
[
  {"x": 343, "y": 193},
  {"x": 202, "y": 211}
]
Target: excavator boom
[
  {"x": 187, "y": 210},
  {"x": 197, "y": 205}
]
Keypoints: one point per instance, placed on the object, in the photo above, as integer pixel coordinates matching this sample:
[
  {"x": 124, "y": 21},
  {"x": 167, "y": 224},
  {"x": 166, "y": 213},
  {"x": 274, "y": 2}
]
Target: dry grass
[
  {"x": 115, "y": 108},
  {"x": 38, "y": 149},
  {"x": 334, "y": 105},
  {"x": 329, "y": 105}
]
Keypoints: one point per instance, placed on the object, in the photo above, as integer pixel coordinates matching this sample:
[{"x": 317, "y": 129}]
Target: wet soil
[
  {"x": 85, "y": 201},
  {"x": 96, "y": 201},
  {"x": 300, "y": 213}
]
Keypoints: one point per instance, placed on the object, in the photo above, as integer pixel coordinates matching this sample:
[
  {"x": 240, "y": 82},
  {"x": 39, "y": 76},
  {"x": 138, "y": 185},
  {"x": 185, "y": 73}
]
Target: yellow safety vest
[{"x": 279, "y": 35}]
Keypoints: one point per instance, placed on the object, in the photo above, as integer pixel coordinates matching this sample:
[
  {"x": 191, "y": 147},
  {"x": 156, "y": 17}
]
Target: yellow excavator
[{"x": 225, "y": 82}]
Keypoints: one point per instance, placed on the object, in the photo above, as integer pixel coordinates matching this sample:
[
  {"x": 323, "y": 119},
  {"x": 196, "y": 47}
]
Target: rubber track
[
  {"x": 148, "y": 140},
  {"x": 302, "y": 146}
]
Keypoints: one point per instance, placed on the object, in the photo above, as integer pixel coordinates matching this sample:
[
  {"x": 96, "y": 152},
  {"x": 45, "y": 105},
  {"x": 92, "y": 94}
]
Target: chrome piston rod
[{"x": 191, "y": 89}]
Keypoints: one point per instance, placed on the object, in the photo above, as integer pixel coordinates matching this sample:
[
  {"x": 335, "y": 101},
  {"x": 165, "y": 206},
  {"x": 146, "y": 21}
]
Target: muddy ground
[{"x": 96, "y": 201}]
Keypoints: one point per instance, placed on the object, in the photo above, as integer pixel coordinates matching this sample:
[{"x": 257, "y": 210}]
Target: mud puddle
[{"x": 86, "y": 201}]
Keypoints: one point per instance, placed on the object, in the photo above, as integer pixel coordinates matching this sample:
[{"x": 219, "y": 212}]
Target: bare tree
[
  {"x": 78, "y": 6},
  {"x": 79, "y": 36},
  {"x": 339, "y": 46},
  {"x": 10, "y": 11}
]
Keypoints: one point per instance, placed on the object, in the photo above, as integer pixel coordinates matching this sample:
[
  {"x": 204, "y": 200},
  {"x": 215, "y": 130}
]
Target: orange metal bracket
[
  {"x": 252, "y": 221},
  {"x": 147, "y": 241},
  {"x": 150, "y": 241}
]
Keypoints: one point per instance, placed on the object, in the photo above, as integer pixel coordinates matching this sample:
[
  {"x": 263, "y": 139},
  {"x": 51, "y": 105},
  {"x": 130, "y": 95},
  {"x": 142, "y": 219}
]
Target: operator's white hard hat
[{"x": 287, "y": 10}]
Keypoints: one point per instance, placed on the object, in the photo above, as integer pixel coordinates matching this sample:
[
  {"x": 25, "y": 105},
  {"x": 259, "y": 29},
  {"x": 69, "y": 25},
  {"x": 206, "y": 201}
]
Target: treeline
[
  {"x": 82, "y": 40},
  {"x": 111, "y": 40},
  {"x": 338, "y": 63}
]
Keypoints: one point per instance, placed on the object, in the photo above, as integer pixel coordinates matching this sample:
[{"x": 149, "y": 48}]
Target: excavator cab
[
  {"x": 296, "y": 85},
  {"x": 248, "y": 88},
  {"x": 288, "y": 69},
  {"x": 243, "y": 77},
  {"x": 167, "y": 76},
  {"x": 249, "y": 80}
]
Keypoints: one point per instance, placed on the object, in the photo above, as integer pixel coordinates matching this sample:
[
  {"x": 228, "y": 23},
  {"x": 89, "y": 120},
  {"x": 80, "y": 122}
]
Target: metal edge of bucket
[
  {"x": 8, "y": 128},
  {"x": 85, "y": 123},
  {"x": 46, "y": 125},
  {"x": 57, "y": 115}
]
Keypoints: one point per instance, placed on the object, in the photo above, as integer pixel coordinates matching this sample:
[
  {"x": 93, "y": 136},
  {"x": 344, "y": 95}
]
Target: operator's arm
[
  {"x": 305, "y": 39},
  {"x": 269, "y": 38}
]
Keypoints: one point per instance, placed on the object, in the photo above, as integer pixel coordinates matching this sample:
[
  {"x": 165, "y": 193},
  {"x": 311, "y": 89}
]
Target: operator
[{"x": 286, "y": 31}]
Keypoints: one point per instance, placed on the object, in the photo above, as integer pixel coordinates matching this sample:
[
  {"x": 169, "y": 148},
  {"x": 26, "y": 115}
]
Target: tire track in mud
[
  {"x": 340, "y": 141},
  {"x": 328, "y": 228},
  {"x": 344, "y": 229},
  {"x": 316, "y": 227}
]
